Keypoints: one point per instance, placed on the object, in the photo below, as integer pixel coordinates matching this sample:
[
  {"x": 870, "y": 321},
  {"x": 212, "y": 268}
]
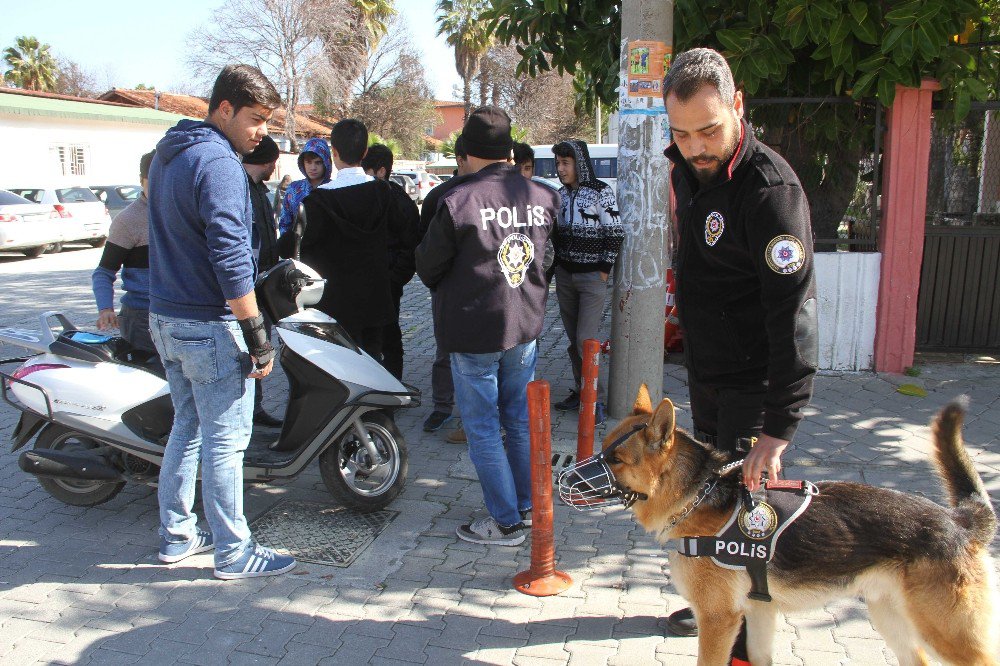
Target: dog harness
[{"x": 748, "y": 539}]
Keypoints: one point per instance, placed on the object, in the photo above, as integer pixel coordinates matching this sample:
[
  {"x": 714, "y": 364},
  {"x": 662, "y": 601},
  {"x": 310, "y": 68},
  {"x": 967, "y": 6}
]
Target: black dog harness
[{"x": 748, "y": 539}]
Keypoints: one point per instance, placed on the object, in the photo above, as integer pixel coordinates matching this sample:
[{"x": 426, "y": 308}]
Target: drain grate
[{"x": 319, "y": 533}]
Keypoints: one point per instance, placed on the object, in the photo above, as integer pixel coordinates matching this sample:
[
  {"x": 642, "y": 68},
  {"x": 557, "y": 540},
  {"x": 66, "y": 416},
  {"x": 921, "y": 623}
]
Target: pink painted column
[{"x": 901, "y": 237}]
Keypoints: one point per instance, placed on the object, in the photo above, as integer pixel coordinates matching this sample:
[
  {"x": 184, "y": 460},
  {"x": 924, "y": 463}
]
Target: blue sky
[{"x": 124, "y": 43}]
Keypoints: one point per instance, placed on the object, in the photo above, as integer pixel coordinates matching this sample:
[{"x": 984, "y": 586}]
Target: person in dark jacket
[
  {"x": 346, "y": 240},
  {"x": 127, "y": 250},
  {"x": 205, "y": 323},
  {"x": 481, "y": 256},
  {"x": 377, "y": 163},
  {"x": 442, "y": 387},
  {"x": 260, "y": 165},
  {"x": 746, "y": 291}
]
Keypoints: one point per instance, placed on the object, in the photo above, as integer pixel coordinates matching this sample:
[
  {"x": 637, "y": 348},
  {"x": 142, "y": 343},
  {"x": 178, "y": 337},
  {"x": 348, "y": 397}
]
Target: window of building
[{"x": 70, "y": 160}]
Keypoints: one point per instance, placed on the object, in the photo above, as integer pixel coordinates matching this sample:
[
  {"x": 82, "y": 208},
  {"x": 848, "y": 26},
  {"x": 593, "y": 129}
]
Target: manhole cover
[{"x": 319, "y": 533}]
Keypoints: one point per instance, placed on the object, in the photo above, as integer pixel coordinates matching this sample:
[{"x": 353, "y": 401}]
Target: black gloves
[{"x": 256, "y": 338}]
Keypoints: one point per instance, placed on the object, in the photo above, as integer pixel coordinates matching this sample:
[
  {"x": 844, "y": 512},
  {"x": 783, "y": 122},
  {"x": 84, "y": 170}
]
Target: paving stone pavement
[{"x": 83, "y": 586}]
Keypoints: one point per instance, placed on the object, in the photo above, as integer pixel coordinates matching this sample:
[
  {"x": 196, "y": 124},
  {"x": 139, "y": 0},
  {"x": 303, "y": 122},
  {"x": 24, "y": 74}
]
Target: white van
[{"x": 603, "y": 155}]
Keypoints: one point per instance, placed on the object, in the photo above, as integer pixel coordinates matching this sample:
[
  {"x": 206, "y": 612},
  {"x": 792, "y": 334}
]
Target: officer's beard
[{"x": 708, "y": 167}]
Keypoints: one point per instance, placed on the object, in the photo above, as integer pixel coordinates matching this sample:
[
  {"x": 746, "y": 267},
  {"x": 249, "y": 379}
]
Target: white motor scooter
[{"x": 100, "y": 411}]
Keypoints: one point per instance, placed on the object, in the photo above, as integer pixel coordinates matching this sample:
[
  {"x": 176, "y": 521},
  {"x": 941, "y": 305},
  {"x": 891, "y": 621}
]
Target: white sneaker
[{"x": 488, "y": 531}]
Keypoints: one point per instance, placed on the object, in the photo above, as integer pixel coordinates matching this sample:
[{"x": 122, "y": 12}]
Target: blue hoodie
[
  {"x": 200, "y": 222},
  {"x": 300, "y": 189}
]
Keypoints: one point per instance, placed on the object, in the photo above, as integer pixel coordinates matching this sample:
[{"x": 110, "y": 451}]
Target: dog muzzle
[{"x": 590, "y": 483}]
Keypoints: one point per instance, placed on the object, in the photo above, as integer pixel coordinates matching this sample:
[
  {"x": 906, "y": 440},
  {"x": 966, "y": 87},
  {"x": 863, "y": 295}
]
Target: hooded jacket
[
  {"x": 746, "y": 290},
  {"x": 300, "y": 189},
  {"x": 200, "y": 223},
  {"x": 346, "y": 240},
  {"x": 589, "y": 232}
]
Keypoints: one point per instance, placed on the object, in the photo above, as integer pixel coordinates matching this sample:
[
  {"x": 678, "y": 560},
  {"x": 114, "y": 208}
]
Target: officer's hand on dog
[{"x": 765, "y": 456}]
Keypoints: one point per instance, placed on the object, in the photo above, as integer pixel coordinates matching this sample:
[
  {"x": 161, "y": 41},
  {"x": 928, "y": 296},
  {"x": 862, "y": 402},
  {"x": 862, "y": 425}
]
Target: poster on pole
[{"x": 648, "y": 61}]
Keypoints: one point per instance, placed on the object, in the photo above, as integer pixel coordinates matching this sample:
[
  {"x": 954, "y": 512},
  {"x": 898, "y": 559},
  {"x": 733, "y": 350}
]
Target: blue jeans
[
  {"x": 492, "y": 390},
  {"x": 207, "y": 366}
]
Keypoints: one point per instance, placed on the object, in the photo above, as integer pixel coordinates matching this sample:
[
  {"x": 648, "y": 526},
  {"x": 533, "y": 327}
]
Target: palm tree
[
  {"x": 32, "y": 67},
  {"x": 349, "y": 44},
  {"x": 468, "y": 34}
]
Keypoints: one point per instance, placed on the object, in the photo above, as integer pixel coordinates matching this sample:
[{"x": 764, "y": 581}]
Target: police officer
[
  {"x": 746, "y": 292},
  {"x": 482, "y": 257}
]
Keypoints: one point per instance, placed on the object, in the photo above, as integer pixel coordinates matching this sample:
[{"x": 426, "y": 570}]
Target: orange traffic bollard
[
  {"x": 542, "y": 579},
  {"x": 588, "y": 399}
]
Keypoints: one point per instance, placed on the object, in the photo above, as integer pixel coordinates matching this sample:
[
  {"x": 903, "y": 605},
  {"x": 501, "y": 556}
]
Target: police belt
[{"x": 748, "y": 539}]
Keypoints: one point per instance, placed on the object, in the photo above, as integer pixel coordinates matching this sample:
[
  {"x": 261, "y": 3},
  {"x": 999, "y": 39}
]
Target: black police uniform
[{"x": 746, "y": 295}]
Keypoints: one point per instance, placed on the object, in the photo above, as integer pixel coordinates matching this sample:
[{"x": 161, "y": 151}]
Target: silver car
[
  {"x": 27, "y": 227},
  {"x": 87, "y": 218}
]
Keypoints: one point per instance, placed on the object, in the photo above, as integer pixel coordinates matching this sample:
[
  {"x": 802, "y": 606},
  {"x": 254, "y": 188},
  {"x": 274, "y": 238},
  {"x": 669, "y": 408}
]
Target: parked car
[
  {"x": 116, "y": 197},
  {"x": 27, "y": 227},
  {"x": 422, "y": 179},
  {"x": 406, "y": 183},
  {"x": 87, "y": 216}
]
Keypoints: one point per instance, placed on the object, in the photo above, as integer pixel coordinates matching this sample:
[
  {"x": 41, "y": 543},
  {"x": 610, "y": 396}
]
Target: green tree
[
  {"x": 31, "y": 65},
  {"x": 461, "y": 21},
  {"x": 782, "y": 48}
]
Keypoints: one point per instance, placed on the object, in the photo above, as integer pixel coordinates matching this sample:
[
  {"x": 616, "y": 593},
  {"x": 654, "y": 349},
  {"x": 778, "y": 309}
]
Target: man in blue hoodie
[
  {"x": 205, "y": 322},
  {"x": 316, "y": 165}
]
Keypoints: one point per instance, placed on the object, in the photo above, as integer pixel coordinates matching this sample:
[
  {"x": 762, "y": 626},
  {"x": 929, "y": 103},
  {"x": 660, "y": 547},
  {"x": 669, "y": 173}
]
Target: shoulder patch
[
  {"x": 765, "y": 167},
  {"x": 785, "y": 254}
]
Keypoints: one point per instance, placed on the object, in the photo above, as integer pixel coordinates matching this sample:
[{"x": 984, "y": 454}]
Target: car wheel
[
  {"x": 34, "y": 251},
  {"x": 98, "y": 242}
]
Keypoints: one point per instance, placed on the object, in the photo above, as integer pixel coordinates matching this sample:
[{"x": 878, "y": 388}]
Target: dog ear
[
  {"x": 643, "y": 404},
  {"x": 662, "y": 423}
]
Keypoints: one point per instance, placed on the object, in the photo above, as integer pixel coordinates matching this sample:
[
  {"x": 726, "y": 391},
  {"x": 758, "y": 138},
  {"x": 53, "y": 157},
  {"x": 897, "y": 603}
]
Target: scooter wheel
[
  {"x": 71, "y": 491},
  {"x": 344, "y": 466}
]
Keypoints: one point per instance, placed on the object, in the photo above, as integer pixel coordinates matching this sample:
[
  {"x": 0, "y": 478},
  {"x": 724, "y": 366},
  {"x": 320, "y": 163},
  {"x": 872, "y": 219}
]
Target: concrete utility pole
[{"x": 637, "y": 312}]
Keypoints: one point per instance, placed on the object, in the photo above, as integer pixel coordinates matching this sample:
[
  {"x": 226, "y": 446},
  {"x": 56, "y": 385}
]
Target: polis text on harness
[{"x": 748, "y": 539}]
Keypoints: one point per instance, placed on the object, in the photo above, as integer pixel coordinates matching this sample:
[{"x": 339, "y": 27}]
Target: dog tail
[{"x": 968, "y": 495}]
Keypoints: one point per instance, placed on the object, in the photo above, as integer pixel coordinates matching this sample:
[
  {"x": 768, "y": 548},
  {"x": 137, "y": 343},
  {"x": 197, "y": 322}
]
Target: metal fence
[
  {"x": 834, "y": 144},
  {"x": 964, "y": 171}
]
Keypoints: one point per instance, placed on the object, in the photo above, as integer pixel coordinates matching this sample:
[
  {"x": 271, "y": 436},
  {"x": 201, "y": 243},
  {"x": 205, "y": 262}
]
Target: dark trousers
[
  {"x": 368, "y": 338},
  {"x": 728, "y": 415},
  {"x": 392, "y": 339}
]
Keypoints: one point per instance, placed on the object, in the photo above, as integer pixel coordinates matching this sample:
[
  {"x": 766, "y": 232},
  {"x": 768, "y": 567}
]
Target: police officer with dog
[{"x": 746, "y": 292}]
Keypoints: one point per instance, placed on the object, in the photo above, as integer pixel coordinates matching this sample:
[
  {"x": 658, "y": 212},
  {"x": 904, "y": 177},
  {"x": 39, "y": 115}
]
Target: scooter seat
[{"x": 96, "y": 348}]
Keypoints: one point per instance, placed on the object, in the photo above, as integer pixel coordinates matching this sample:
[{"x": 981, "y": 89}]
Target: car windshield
[
  {"x": 11, "y": 199},
  {"x": 129, "y": 192},
  {"x": 75, "y": 195},
  {"x": 34, "y": 196}
]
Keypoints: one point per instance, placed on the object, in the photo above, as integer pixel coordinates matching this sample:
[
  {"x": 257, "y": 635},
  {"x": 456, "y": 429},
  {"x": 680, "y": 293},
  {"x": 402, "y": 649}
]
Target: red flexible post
[
  {"x": 541, "y": 579},
  {"x": 588, "y": 399}
]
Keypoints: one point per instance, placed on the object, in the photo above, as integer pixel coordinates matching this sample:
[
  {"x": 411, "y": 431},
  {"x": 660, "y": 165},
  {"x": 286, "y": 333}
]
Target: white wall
[
  {"x": 113, "y": 149},
  {"x": 847, "y": 293}
]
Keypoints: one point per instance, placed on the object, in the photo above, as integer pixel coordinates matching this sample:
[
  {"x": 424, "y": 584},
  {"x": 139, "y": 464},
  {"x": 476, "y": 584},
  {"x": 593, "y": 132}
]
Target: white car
[
  {"x": 27, "y": 227},
  {"x": 424, "y": 181},
  {"x": 87, "y": 218}
]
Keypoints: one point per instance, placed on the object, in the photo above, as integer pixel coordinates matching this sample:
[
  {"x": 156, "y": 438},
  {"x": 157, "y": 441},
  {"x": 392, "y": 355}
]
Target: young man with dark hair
[
  {"x": 442, "y": 387},
  {"x": 378, "y": 164},
  {"x": 350, "y": 223},
  {"x": 489, "y": 307},
  {"x": 260, "y": 165},
  {"x": 524, "y": 159},
  {"x": 127, "y": 249},
  {"x": 587, "y": 239},
  {"x": 746, "y": 291},
  {"x": 348, "y": 143},
  {"x": 205, "y": 322},
  {"x": 316, "y": 165}
]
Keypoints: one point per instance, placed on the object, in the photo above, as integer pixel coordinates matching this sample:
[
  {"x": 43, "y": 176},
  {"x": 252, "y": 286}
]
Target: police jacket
[
  {"x": 482, "y": 257},
  {"x": 746, "y": 291}
]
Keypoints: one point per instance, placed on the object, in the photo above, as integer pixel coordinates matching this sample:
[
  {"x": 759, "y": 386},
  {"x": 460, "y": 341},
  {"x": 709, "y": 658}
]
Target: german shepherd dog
[{"x": 924, "y": 570}]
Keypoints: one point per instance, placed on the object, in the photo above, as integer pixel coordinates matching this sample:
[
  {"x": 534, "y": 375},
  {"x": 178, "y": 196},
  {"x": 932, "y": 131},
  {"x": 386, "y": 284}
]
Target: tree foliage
[
  {"x": 790, "y": 47},
  {"x": 462, "y": 24},
  {"x": 72, "y": 79},
  {"x": 30, "y": 65}
]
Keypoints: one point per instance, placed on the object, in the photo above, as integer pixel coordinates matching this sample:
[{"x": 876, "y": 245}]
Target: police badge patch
[
  {"x": 785, "y": 254},
  {"x": 515, "y": 255},
  {"x": 715, "y": 224},
  {"x": 760, "y": 523}
]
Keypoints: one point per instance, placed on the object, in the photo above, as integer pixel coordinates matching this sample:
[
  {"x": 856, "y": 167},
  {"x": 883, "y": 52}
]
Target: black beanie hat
[
  {"x": 486, "y": 134},
  {"x": 265, "y": 152}
]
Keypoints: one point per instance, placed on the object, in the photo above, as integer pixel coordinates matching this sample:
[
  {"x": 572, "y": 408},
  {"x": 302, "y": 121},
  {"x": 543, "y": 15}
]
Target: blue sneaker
[
  {"x": 256, "y": 561},
  {"x": 201, "y": 542}
]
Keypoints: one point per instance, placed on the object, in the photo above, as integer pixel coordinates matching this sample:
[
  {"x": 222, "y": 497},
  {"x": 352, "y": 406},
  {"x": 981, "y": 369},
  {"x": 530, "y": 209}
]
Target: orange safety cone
[
  {"x": 541, "y": 579},
  {"x": 588, "y": 399}
]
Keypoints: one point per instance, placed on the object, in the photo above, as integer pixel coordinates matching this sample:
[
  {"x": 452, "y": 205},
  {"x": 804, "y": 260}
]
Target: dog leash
[{"x": 706, "y": 490}]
